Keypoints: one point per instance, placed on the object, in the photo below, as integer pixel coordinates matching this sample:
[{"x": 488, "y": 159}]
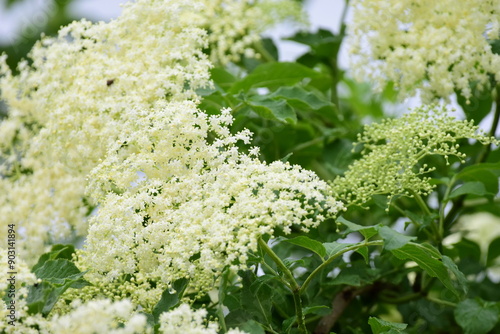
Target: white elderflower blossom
[
  {"x": 234, "y": 26},
  {"x": 72, "y": 103},
  {"x": 392, "y": 151},
  {"x": 183, "y": 320},
  {"x": 435, "y": 46},
  {"x": 14, "y": 283},
  {"x": 197, "y": 205},
  {"x": 99, "y": 316}
]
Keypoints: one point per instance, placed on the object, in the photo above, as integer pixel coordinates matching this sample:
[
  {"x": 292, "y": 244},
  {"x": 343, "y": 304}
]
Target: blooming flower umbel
[
  {"x": 187, "y": 203},
  {"x": 435, "y": 46}
]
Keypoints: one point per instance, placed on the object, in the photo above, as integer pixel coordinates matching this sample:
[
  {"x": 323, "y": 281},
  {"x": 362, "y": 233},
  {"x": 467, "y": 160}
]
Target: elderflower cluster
[
  {"x": 435, "y": 46},
  {"x": 73, "y": 102},
  {"x": 180, "y": 200},
  {"x": 183, "y": 320},
  {"x": 392, "y": 151},
  {"x": 16, "y": 312},
  {"x": 99, "y": 316},
  {"x": 234, "y": 26}
]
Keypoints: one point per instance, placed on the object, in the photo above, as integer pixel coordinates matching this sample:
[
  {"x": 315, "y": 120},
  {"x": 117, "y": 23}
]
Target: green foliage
[{"x": 399, "y": 259}]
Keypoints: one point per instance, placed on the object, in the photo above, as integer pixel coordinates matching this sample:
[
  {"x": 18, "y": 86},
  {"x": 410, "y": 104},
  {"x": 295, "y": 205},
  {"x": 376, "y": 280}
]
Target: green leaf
[
  {"x": 493, "y": 251},
  {"x": 252, "y": 327},
  {"x": 170, "y": 299},
  {"x": 476, "y": 316},
  {"x": 486, "y": 173},
  {"x": 460, "y": 277},
  {"x": 58, "y": 271},
  {"x": 380, "y": 326},
  {"x": 57, "y": 276},
  {"x": 470, "y": 188},
  {"x": 393, "y": 239},
  {"x": 334, "y": 248},
  {"x": 274, "y": 75},
  {"x": 300, "y": 98},
  {"x": 479, "y": 104},
  {"x": 366, "y": 231},
  {"x": 323, "y": 43},
  {"x": 308, "y": 243},
  {"x": 427, "y": 258},
  {"x": 223, "y": 80},
  {"x": 57, "y": 252},
  {"x": 277, "y": 110}
]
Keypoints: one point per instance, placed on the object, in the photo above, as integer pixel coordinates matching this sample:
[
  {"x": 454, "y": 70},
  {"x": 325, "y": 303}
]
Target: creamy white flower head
[
  {"x": 234, "y": 26},
  {"x": 435, "y": 46},
  {"x": 23, "y": 278},
  {"x": 72, "y": 103},
  {"x": 184, "y": 320},
  {"x": 100, "y": 316},
  {"x": 180, "y": 200}
]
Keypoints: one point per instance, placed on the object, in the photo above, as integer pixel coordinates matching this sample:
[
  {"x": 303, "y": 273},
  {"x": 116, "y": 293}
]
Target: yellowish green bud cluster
[
  {"x": 392, "y": 151},
  {"x": 434, "y": 46}
]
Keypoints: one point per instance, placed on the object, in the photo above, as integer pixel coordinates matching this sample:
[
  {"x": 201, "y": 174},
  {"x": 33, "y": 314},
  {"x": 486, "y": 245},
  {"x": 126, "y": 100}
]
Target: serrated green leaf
[
  {"x": 476, "y": 316},
  {"x": 486, "y": 173},
  {"x": 427, "y": 258},
  {"x": 470, "y": 188},
  {"x": 274, "y": 75},
  {"x": 366, "y": 231},
  {"x": 308, "y": 243},
  {"x": 277, "y": 110},
  {"x": 380, "y": 326},
  {"x": 57, "y": 276},
  {"x": 252, "y": 327},
  {"x": 57, "y": 252},
  {"x": 300, "y": 98},
  {"x": 393, "y": 239},
  {"x": 460, "y": 277},
  {"x": 333, "y": 248},
  {"x": 58, "y": 271},
  {"x": 170, "y": 299}
]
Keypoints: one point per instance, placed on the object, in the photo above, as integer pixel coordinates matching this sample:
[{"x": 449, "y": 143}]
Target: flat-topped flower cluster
[{"x": 435, "y": 46}]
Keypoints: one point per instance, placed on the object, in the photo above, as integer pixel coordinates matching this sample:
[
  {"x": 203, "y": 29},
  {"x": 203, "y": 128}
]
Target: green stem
[
  {"x": 443, "y": 206},
  {"x": 333, "y": 257},
  {"x": 291, "y": 283},
  {"x": 421, "y": 203}
]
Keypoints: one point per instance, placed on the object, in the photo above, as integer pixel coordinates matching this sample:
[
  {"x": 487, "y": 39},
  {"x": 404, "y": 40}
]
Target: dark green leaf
[
  {"x": 459, "y": 276},
  {"x": 170, "y": 299},
  {"x": 486, "y": 173},
  {"x": 427, "y": 258},
  {"x": 366, "y": 231},
  {"x": 274, "y": 75},
  {"x": 478, "y": 105},
  {"x": 57, "y": 252},
  {"x": 470, "y": 188},
  {"x": 300, "y": 98},
  {"x": 252, "y": 327},
  {"x": 380, "y": 326},
  {"x": 308, "y": 243},
  {"x": 277, "y": 110},
  {"x": 393, "y": 239},
  {"x": 476, "y": 316},
  {"x": 333, "y": 248}
]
